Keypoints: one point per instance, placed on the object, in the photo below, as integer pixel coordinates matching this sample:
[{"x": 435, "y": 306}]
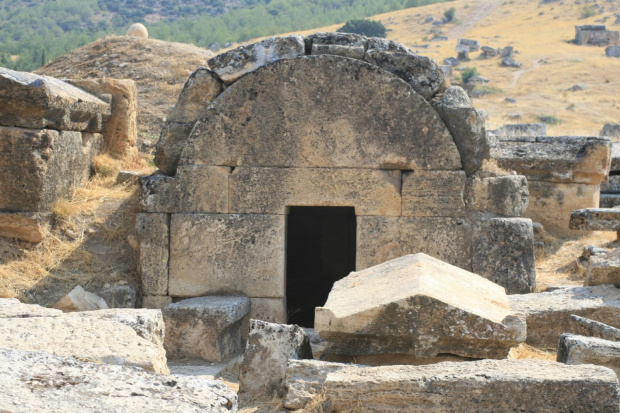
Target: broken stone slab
[
  {"x": 13, "y": 308},
  {"x": 154, "y": 252},
  {"x": 467, "y": 44},
  {"x": 432, "y": 194},
  {"x": 128, "y": 177},
  {"x": 548, "y": 314},
  {"x": 503, "y": 252},
  {"x": 120, "y": 296},
  {"x": 80, "y": 300},
  {"x": 603, "y": 268},
  {"x": 574, "y": 349},
  {"x": 38, "y": 166},
  {"x": 342, "y": 113},
  {"x": 349, "y": 45},
  {"x": 232, "y": 65},
  {"x": 45, "y": 382},
  {"x": 381, "y": 239},
  {"x": 95, "y": 339},
  {"x": 384, "y": 45},
  {"x": 272, "y": 190},
  {"x": 421, "y": 72},
  {"x": 565, "y": 159},
  {"x": 612, "y": 51},
  {"x": 419, "y": 306},
  {"x": 551, "y": 204},
  {"x": 208, "y": 328},
  {"x": 196, "y": 188},
  {"x": 609, "y": 200},
  {"x": 120, "y": 130},
  {"x": 503, "y": 195},
  {"x": 25, "y": 226},
  {"x": 612, "y": 186},
  {"x": 224, "y": 244},
  {"x": 269, "y": 347},
  {"x": 590, "y": 328},
  {"x": 466, "y": 126},
  {"x": 202, "y": 87},
  {"x": 487, "y": 385},
  {"x": 38, "y": 102},
  {"x": 596, "y": 219}
]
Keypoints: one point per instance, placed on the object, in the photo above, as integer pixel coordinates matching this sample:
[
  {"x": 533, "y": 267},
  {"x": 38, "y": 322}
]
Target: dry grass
[
  {"x": 60, "y": 262},
  {"x": 526, "y": 352}
]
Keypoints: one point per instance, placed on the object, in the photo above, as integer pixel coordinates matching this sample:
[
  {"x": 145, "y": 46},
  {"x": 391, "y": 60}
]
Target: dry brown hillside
[{"x": 159, "y": 68}]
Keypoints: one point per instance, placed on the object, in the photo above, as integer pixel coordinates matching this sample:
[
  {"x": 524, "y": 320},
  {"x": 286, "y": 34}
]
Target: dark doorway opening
[{"x": 320, "y": 251}]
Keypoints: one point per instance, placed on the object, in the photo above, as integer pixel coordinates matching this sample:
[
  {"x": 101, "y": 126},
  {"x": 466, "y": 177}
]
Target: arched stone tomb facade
[{"x": 295, "y": 160}]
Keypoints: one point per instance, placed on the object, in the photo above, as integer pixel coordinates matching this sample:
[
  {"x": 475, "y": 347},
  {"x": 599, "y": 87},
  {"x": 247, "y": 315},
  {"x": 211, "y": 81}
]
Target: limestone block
[
  {"x": 466, "y": 126},
  {"x": 613, "y": 130},
  {"x": 269, "y": 347},
  {"x": 232, "y": 65},
  {"x": 154, "y": 233},
  {"x": 503, "y": 195},
  {"x": 40, "y": 166},
  {"x": 80, "y": 300},
  {"x": 503, "y": 252},
  {"x": 196, "y": 188},
  {"x": 384, "y": 45},
  {"x": 433, "y": 194},
  {"x": 202, "y": 87},
  {"x": 596, "y": 219},
  {"x": 138, "y": 30},
  {"x": 612, "y": 51},
  {"x": 224, "y": 245},
  {"x": 120, "y": 296},
  {"x": 421, "y": 306},
  {"x": 590, "y": 328},
  {"x": 349, "y": 45},
  {"x": 603, "y": 268},
  {"x": 120, "y": 130},
  {"x": 564, "y": 159},
  {"x": 609, "y": 201},
  {"x": 574, "y": 349},
  {"x": 13, "y": 308},
  {"x": 481, "y": 386},
  {"x": 128, "y": 177},
  {"x": 380, "y": 239},
  {"x": 97, "y": 340},
  {"x": 271, "y": 190},
  {"x": 272, "y": 310},
  {"x": 171, "y": 142},
  {"x": 612, "y": 186},
  {"x": 420, "y": 72},
  {"x": 357, "y": 117},
  {"x": 26, "y": 226},
  {"x": 155, "y": 301},
  {"x": 552, "y": 203},
  {"x": 34, "y": 101},
  {"x": 548, "y": 314},
  {"x": 47, "y": 383},
  {"x": 208, "y": 328}
]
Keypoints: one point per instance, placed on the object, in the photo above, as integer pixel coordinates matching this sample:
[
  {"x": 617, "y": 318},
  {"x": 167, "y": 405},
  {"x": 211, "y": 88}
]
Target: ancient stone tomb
[{"x": 295, "y": 161}]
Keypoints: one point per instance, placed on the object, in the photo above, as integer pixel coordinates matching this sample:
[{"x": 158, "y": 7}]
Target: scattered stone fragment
[
  {"x": 80, "y": 300},
  {"x": 463, "y": 56},
  {"x": 574, "y": 349},
  {"x": 468, "y": 45},
  {"x": 548, "y": 313},
  {"x": 209, "y": 328},
  {"x": 13, "y": 308},
  {"x": 420, "y": 307},
  {"x": 451, "y": 61},
  {"x": 25, "y": 226},
  {"x": 596, "y": 219},
  {"x": 613, "y": 131},
  {"x": 45, "y": 382},
  {"x": 510, "y": 100},
  {"x": 612, "y": 51},
  {"x": 590, "y": 328},
  {"x": 603, "y": 268},
  {"x": 120, "y": 296},
  {"x": 269, "y": 347},
  {"x": 232, "y": 65},
  {"x": 130, "y": 177},
  {"x": 487, "y": 385},
  {"x": 578, "y": 87},
  {"x": 510, "y": 62},
  {"x": 488, "y": 52}
]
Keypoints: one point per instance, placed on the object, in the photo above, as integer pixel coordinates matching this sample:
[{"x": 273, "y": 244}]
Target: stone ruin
[
  {"x": 50, "y": 131},
  {"x": 353, "y": 145},
  {"x": 596, "y": 35}
]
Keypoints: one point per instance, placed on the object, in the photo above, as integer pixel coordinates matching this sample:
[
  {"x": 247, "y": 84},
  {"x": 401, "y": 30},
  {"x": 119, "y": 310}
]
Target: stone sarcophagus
[{"x": 295, "y": 160}]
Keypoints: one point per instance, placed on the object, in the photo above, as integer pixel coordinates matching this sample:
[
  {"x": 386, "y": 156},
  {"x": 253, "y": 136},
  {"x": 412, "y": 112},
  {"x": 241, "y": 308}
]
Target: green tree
[
  {"x": 366, "y": 27},
  {"x": 449, "y": 14}
]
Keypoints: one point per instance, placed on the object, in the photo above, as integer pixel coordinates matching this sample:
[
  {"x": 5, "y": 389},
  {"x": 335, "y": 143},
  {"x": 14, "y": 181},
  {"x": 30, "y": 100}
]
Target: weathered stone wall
[
  {"x": 596, "y": 35},
  {"x": 564, "y": 173},
  {"x": 49, "y": 133},
  {"x": 328, "y": 120}
]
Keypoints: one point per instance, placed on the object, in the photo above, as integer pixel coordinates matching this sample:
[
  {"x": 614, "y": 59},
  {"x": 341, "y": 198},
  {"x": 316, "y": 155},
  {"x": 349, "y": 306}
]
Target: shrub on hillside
[
  {"x": 449, "y": 14},
  {"x": 468, "y": 73},
  {"x": 549, "y": 120},
  {"x": 366, "y": 27}
]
